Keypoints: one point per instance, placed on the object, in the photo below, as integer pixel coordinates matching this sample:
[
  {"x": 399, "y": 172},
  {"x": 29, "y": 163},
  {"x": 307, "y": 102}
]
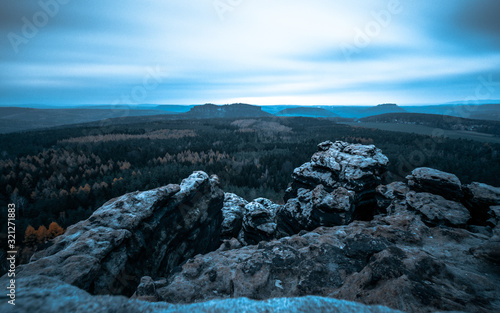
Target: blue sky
[{"x": 314, "y": 52}]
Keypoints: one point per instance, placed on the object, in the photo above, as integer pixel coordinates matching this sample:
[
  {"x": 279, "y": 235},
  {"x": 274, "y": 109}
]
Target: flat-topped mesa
[
  {"x": 137, "y": 234},
  {"x": 346, "y": 175}
]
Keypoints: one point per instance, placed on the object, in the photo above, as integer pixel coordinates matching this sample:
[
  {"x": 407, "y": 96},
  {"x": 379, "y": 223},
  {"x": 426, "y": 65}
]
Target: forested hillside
[{"x": 439, "y": 121}]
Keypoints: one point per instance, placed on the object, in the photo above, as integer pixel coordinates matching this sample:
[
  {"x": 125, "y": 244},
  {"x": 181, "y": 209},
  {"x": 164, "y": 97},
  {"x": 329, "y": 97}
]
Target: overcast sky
[{"x": 307, "y": 52}]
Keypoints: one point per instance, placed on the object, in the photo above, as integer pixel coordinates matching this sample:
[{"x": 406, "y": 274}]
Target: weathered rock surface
[
  {"x": 314, "y": 208},
  {"x": 479, "y": 198},
  {"x": 41, "y": 293},
  {"x": 490, "y": 250},
  {"x": 391, "y": 198},
  {"x": 393, "y": 260},
  {"x": 353, "y": 166},
  {"x": 232, "y": 212},
  {"x": 138, "y": 234},
  {"x": 424, "y": 179},
  {"x": 436, "y": 210},
  {"x": 259, "y": 221},
  {"x": 352, "y": 171}
]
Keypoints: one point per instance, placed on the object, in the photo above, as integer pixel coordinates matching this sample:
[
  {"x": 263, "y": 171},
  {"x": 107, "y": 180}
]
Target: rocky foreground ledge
[{"x": 427, "y": 244}]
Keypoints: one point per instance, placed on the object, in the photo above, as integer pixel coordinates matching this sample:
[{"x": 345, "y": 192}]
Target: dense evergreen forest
[
  {"x": 62, "y": 175},
  {"x": 439, "y": 121}
]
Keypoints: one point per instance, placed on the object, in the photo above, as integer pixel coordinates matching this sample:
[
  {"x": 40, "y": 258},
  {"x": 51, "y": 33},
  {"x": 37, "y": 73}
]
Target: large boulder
[
  {"x": 424, "y": 179},
  {"x": 137, "y": 234}
]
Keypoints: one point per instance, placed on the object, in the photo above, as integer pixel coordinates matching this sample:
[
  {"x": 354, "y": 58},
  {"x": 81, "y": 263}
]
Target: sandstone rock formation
[
  {"x": 353, "y": 166},
  {"x": 232, "y": 212},
  {"x": 259, "y": 221},
  {"x": 138, "y": 234},
  {"x": 436, "y": 210},
  {"x": 479, "y": 198},
  {"x": 428, "y": 244},
  {"x": 393, "y": 260},
  {"x": 348, "y": 175},
  {"x": 314, "y": 208}
]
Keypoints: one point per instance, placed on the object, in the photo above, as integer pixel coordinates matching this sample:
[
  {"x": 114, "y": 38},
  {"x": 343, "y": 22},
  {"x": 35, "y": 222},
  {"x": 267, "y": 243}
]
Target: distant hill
[
  {"x": 364, "y": 111},
  {"x": 18, "y": 119},
  {"x": 383, "y": 109},
  {"x": 489, "y": 111},
  {"x": 225, "y": 111},
  {"x": 169, "y": 108},
  {"x": 437, "y": 121},
  {"x": 485, "y": 112},
  {"x": 306, "y": 112}
]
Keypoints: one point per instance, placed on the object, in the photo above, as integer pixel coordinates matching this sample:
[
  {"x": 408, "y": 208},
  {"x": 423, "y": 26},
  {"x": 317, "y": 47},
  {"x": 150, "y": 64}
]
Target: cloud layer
[{"x": 315, "y": 52}]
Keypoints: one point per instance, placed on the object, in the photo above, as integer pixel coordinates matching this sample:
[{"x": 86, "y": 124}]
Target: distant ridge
[
  {"x": 306, "y": 112},
  {"x": 489, "y": 111},
  {"x": 14, "y": 119},
  {"x": 437, "y": 121},
  {"x": 385, "y": 108},
  {"x": 364, "y": 111},
  {"x": 210, "y": 110}
]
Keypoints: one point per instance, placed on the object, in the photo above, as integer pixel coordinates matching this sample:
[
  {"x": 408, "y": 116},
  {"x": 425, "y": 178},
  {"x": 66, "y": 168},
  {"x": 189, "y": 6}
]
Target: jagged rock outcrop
[
  {"x": 138, "y": 234},
  {"x": 416, "y": 255},
  {"x": 41, "y": 293},
  {"x": 353, "y": 166},
  {"x": 349, "y": 173}
]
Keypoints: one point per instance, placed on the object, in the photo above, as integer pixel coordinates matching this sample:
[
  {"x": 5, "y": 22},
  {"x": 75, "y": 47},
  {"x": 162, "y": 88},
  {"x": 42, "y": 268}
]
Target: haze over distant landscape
[{"x": 260, "y": 52}]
